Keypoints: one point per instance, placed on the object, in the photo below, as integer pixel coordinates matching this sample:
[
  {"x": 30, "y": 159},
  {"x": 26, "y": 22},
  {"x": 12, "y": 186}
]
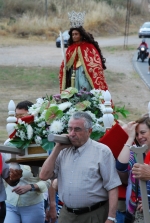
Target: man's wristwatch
[
  {"x": 112, "y": 219},
  {"x": 32, "y": 187}
]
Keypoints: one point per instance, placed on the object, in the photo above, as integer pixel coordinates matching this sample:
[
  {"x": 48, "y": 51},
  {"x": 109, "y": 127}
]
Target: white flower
[
  {"x": 34, "y": 110},
  {"x": 19, "y": 121},
  {"x": 41, "y": 124},
  {"x": 95, "y": 91},
  {"x": 29, "y": 132},
  {"x": 39, "y": 101},
  {"x": 36, "y": 119},
  {"x": 38, "y": 140},
  {"x": 43, "y": 114},
  {"x": 39, "y": 129},
  {"x": 22, "y": 135},
  {"x": 98, "y": 128},
  {"x": 64, "y": 106},
  {"x": 103, "y": 92},
  {"x": 56, "y": 126},
  {"x": 51, "y": 105},
  {"x": 45, "y": 132},
  {"x": 91, "y": 114},
  {"x": 102, "y": 107},
  {"x": 71, "y": 111},
  {"x": 100, "y": 119}
]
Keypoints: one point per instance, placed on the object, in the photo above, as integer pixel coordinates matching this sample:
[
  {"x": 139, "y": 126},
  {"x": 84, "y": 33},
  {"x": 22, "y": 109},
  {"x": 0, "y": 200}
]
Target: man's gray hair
[{"x": 83, "y": 115}]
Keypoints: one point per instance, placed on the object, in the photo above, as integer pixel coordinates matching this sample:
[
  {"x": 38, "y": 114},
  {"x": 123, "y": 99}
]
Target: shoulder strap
[{"x": 1, "y": 164}]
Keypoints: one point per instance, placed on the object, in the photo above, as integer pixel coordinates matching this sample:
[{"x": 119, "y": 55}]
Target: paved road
[{"x": 142, "y": 68}]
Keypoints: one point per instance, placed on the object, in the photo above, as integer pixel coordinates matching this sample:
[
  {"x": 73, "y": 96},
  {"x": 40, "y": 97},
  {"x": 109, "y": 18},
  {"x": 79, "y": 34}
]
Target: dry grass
[{"x": 27, "y": 18}]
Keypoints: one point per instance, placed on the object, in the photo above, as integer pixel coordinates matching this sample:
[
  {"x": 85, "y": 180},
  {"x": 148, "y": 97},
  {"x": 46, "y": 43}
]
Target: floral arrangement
[{"x": 51, "y": 115}]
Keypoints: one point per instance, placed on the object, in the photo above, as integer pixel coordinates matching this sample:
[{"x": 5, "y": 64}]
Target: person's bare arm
[
  {"x": 24, "y": 189},
  {"x": 125, "y": 152},
  {"x": 113, "y": 203},
  {"x": 51, "y": 212},
  {"x": 124, "y": 155},
  {"x": 49, "y": 164},
  {"x": 55, "y": 184}
]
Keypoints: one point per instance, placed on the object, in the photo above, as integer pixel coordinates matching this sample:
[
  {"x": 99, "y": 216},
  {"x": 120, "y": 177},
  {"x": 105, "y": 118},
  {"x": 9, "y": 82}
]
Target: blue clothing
[
  {"x": 28, "y": 214},
  {"x": 133, "y": 192},
  {"x": 120, "y": 216}
]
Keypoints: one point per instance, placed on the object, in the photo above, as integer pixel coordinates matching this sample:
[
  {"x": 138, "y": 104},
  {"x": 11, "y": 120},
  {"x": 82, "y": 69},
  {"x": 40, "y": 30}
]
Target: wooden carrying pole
[
  {"x": 12, "y": 150},
  {"x": 139, "y": 152}
]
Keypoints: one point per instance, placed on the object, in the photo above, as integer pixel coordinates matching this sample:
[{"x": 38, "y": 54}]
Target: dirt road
[{"x": 46, "y": 54}]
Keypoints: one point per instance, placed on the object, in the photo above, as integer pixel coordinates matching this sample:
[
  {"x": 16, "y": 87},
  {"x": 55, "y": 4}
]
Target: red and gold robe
[{"x": 91, "y": 62}]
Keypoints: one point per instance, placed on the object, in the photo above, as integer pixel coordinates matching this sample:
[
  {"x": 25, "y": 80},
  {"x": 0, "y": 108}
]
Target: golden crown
[{"x": 76, "y": 18}]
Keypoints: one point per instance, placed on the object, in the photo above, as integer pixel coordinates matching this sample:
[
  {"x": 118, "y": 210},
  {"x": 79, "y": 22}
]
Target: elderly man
[
  {"x": 87, "y": 177},
  {"x": 12, "y": 177}
]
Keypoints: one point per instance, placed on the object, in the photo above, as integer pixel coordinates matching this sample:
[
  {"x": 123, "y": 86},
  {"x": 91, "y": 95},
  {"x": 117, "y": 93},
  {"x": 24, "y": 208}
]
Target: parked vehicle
[
  {"x": 144, "y": 30},
  {"x": 65, "y": 37},
  {"x": 142, "y": 54}
]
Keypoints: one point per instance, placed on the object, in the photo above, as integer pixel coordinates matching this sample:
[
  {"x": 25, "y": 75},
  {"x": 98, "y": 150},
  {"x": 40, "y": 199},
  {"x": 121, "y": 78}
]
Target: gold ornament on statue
[{"x": 73, "y": 78}]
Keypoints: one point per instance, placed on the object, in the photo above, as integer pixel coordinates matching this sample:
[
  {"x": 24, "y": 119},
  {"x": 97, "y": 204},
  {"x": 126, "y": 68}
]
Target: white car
[
  {"x": 66, "y": 36},
  {"x": 144, "y": 30}
]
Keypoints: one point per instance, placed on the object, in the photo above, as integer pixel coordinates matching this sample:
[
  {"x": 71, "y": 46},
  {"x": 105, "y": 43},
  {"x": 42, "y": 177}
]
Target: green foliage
[
  {"x": 46, "y": 145},
  {"x": 81, "y": 106},
  {"x": 53, "y": 7},
  {"x": 120, "y": 110},
  {"x": 18, "y": 143},
  {"x": 68, "y": 93},
  {"x": 52, "y": 114},
  {"x": 96, "y": 135}
]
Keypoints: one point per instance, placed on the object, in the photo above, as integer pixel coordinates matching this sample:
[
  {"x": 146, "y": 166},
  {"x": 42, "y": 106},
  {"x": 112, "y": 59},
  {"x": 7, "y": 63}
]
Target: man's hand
[
  {"x": 141, "y": 171},
  {"x": 51, "y": 215},
  {"x": 22, "y": 189},
  {"x": 60, "y": 146},
  {"x": 140, "y": 207},
  {"x": 130, "y": 129},
  {"x": 15, "y": 174}
]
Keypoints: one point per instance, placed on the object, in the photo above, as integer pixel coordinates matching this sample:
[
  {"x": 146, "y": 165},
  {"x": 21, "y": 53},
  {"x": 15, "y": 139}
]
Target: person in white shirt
[{"x": 25, "y": 202}]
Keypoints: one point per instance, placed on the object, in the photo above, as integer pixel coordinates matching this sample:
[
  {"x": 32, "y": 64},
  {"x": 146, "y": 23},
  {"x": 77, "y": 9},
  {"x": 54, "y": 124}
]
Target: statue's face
[{"x": 76, "y": 36}]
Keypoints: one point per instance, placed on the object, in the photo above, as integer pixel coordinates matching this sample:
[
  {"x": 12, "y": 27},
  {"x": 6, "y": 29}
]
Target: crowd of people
[
  {"x": 86, "y": 187},
  {"x": 83, "y": 175}
]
